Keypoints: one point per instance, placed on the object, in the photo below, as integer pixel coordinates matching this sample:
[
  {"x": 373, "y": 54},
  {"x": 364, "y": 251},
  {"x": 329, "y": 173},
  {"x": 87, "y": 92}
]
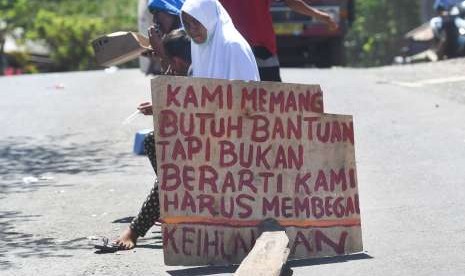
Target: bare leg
[
  {"x": 127, "y": 240},
  {"x": 148, "y": 213},
  {"x": 150, "y": 210}
]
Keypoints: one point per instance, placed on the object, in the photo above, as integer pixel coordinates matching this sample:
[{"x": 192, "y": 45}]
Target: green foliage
[
  {"x": 68, "y": 38},
  {"x": 13, "y": 14},
  {"x": 376, "y": 35},
  {"x": 67, "y": 26},
  {"x": 21, "y": 60}
]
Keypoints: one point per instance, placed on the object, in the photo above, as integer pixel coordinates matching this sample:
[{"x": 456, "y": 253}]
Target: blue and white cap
[{"x": 169, "y": 6}]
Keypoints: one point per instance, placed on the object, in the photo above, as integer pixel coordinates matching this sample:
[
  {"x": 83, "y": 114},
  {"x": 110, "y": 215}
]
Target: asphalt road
[{"x": 410, "y": 149}]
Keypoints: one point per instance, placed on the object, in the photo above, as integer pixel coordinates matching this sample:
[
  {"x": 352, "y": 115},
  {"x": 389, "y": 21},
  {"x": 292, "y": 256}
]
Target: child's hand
[
  {"x": 146, "y": 108},
  {"x": 332, "y": 25},
  {"x": 155, "y": 41},
  {"x": 150, "y": 54}
]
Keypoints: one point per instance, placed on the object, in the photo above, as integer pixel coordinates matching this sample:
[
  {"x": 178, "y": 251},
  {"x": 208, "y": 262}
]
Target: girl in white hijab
[{"x": 218, "y": 49}]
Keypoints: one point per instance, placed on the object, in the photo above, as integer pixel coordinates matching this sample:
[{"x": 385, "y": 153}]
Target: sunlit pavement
[{"x": 67, "y": 172}]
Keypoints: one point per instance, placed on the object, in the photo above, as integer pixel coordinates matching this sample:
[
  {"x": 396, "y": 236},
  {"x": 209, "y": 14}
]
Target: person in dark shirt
[{"x": 253, "y": 20}]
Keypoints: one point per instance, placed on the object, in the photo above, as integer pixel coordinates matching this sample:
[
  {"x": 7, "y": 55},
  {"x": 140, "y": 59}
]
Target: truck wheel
[
  {"x": 330, "y": 53},
  {"x": 323, "y": 55},
  {"x": 336, "y": 46}
]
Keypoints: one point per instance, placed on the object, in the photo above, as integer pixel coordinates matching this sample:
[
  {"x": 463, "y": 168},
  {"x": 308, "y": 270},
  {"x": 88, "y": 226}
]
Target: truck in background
[{"x": 303, "y": 41}]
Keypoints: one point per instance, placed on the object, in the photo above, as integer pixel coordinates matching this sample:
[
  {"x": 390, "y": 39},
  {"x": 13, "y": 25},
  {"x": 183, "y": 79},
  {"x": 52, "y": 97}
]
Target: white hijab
[{"x": 225, "y": 54}]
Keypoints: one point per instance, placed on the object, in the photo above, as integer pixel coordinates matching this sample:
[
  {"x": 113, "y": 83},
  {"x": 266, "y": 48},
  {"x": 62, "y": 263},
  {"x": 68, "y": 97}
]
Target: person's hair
[
  {"x": 178, "y": 44},
  {"x": 177, "y": 20}
]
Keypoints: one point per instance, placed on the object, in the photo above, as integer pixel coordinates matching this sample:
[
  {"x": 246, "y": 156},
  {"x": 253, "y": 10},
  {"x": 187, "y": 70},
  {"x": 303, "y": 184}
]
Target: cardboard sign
[
  {"x": 119, "y": 47},
  {"x": 231, "y": 154}
]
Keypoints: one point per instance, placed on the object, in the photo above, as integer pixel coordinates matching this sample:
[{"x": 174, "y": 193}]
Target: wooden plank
[
  {"x": 267, "y": 257},
  {"x": 231, "y": 154}
]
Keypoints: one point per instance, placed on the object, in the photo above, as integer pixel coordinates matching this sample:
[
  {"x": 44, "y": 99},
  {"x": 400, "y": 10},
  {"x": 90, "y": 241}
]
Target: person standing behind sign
[
  {"x": 253, "y": 20},
  {"x": 218, "y": 49}
]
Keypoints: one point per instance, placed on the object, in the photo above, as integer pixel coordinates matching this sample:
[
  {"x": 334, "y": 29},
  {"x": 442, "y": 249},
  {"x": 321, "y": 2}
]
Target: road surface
[{"x": 410, "y": 149}]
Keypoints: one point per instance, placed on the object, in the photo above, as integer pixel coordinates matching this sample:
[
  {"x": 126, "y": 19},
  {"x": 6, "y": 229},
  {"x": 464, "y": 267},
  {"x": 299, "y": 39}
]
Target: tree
[
  {"x": 68, "y": 38},
  {"x": 13, "y": 18},
  {"x": 66, "y": 26},
  {"x": 376, "y": 35}
]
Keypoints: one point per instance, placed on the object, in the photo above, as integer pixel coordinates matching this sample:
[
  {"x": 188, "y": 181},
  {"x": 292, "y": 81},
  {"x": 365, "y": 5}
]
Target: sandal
[{"x": 105, "y": 246}]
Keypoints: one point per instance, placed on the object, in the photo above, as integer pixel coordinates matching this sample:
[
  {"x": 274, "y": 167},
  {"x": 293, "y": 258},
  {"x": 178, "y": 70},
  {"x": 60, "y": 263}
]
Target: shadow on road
[
  {"x": 205, "y": 270},
  {"x": 123, "y": 220},
  {"x": 22, "y": 157},
  {"x": 211, "y": 270},
  {"x": 25, "y": 245},
  {"x": 329, "y": 260}
]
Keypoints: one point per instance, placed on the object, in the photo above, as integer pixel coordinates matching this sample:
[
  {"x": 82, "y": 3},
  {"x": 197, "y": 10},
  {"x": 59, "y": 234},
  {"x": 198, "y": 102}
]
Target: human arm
[
  {"x": 156, "y": 42},
  {"x": 301, "y": 7},
  {"x": 156, "y": 51},
  {"x": 145, "y": 108}
]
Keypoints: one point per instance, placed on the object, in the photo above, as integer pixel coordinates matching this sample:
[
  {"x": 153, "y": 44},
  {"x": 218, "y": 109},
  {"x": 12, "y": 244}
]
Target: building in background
[{"x": 28, "y": 57}]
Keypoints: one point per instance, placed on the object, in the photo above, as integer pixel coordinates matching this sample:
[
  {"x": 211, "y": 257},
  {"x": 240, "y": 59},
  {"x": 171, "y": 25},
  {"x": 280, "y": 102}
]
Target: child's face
[
  {"x": 194, "y": 28},
  {"x": 179, "y": 66},
  {"x": 164, "y": 20}
]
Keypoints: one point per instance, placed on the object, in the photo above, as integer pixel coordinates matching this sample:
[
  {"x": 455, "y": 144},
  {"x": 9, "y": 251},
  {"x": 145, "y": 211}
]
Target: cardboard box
[{"x": 120, "y": 47}]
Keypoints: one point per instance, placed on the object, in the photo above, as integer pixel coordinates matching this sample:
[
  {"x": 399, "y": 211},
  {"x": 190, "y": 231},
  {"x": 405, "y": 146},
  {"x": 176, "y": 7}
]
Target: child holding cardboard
[
  {"x": 173, "y": 52},
  {"x": 165, "y": 19},
  {"x": 176, "y": 45}
]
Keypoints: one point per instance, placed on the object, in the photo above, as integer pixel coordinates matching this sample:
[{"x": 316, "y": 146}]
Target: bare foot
[{"x": 127, "y": 240}]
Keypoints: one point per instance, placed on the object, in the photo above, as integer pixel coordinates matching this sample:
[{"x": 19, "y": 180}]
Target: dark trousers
[
  {"x": 268, "y": 64},
  {"x": 269, "y": 73},
  {"x": 150, "y": 210}
]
